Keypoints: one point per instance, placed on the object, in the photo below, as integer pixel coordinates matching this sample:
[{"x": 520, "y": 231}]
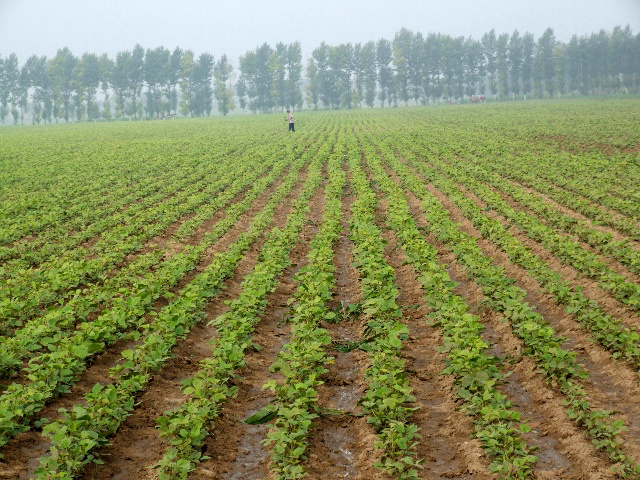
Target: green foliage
[{"x": 81, "y": 206}]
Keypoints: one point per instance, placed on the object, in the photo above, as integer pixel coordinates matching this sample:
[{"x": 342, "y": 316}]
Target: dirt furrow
[
  {"x": 563, "y": 448},
  {"x": 617, "y": 236},
  {"x": 235, "y": 448},
  {"x": 607, "y": 210},
  {"x": 590, "y": 288},
  {"x": 550, "y": 404},
  {"x": 446, "y": 447},
  {"x": 611, "y": 262},
  {"x": 342, "y": 445},
  {"x": 163, "y": 394},
  {"x": 612, "y": 385},
  {"x": 22, "y": 453}
]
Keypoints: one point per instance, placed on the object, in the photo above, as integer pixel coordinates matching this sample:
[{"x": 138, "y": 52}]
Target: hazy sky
[{"x": 234, "y": 26}]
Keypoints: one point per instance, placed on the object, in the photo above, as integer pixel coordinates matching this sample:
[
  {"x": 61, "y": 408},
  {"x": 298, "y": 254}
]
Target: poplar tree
[
  {"x": 384, "y": 57},
  {"x": 120, "y": 82},
  {"x": 62, "y": 70},
  {"x": 294, "y": 75},
  {"x": 368, "y": 62},
  {"x": 106, "y": 75},
  {"x": 223, "y": 89},
  {"x": 515, "y": 52},
  {"x": 547, "y": 49}
]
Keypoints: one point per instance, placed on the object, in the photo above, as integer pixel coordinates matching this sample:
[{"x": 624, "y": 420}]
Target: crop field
[{"x": 433, "y": 293}]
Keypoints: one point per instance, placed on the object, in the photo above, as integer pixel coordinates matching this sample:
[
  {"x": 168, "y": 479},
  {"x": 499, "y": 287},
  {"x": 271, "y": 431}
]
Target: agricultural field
[{"x": 433, "y": 293}]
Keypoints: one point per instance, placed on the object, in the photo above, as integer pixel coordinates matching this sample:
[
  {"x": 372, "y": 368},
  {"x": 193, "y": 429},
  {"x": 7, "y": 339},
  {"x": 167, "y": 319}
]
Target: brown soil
[
  {"x": 590, "y": 287},
  {"x": 612, "y": 263},
  {"x": 446, "y": 447},
  {"x": 342, "y": 445},
  {"x": 563, "y": 448},
  {"x": 617, "y": 236},
  {"x": 28, "y": 446},
  {"x": 612, "y": 385},
  {"x": 237, "y": 449}
]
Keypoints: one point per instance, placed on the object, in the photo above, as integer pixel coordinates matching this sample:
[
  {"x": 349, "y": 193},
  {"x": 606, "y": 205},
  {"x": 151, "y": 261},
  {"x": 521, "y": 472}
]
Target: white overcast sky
[{"x": 234, "y": 26}]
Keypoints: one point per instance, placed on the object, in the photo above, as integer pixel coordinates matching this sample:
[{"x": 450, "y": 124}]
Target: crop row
[
  {"x": 91, "y": 220},
  {"x": 61, "y": 190},
  {"x": 186, "y": 426},
  {"x": 602, "y": 242},
  {"x": 302, "y": 361},
  {"x": 539, "y": 338},
  {"x": 608, "y": 330},
  {"x": 477, "y": 373},
  {"x": 81, "y": 429},
  {"x": 584, "y": 168},
  {"x": 52, "y": 372},
  {"x": 563, "y": 246},
  {"x": 52, "y": 327},
  {"x": 519, "y": 169},
  {"x": 388, "y": 397},
  {"x": 55, "y": 277}
]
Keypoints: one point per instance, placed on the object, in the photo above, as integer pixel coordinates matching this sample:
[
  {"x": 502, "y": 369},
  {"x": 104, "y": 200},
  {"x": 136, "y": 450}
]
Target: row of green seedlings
[
  {"x": 88, "y": 223},
  {"x": 55, "y": 280},
  {"x": 618, "y": 171},
  {"x": 80, "y": 430},
  {"x": 91, "y": 214},
  {"x": 31, "y": 289},
  {"x": 254, "y": 161},
  {"x": 578, "y": 174},
  {"x": 563, "y": 246},
  {"x": 92, "y": 220},
  {"x": 86, "y": 301},
  {"x": 56, "y": 324},
  {"x": 587, "y": 202},
  {"x": 181, "y": 178},
  {"x": 20, "y": 220},
  {"x": 106, "y": 218},
  {"x": 58, "y": 199},
  {"x": 609, "y": 331},
  {"x": 598, "y": 169},
  {"x": 186, "y": 426},
  {"x": 519, "y": 170},
  {"x": 59, "y": 284},
  {"x": 388, "y": 397},
  {"x": 247, "y": 161},
  {"x": 242, "y": 180},
  {"x": 52, "y": 373},
  {"x": 27, "y": 276},
  {"x": 56, "y": 183},
  {"x": 541, "y": 342},
  {"x": 302, "y": 361},
  {"x": 477, "y": 373},
  {"x": 603, "y": 242}
]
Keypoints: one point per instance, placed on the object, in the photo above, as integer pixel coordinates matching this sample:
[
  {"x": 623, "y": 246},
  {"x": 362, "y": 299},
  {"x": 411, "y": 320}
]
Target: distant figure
[{"x": 290, "y": 118}]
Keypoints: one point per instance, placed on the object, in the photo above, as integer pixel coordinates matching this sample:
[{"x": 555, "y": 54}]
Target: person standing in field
[{"x": 291, "y": 123}]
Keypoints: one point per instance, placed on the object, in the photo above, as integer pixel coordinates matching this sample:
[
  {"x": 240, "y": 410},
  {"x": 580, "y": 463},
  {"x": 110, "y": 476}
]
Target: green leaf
[{"x": 263, "y": 416}]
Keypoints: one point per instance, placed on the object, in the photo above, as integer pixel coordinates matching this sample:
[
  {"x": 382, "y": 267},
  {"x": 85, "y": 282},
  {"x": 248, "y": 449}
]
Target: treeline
[
  {"x": 409, "y": 69},
  {"x": 419, "y": 69},
  {"x": 137, "y": 83}
]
